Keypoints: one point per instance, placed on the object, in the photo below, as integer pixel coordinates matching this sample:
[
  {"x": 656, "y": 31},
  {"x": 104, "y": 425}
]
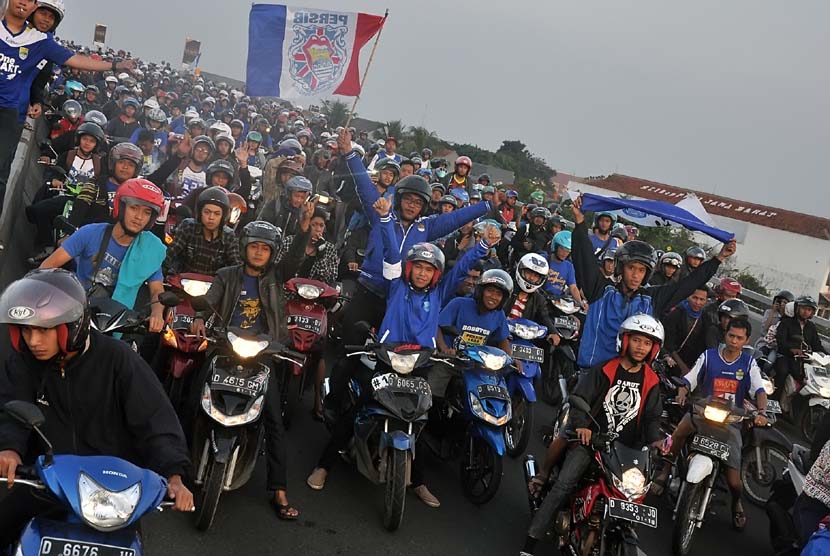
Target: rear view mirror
[
  {"x": 169, "y": 299},
  {"x": 25, "y": 413}
]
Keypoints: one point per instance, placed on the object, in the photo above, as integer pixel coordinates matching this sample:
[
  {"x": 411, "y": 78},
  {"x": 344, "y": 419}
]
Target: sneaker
[
  {"x": 426, "y": 496},
  {"x": 317, "y": 479}
]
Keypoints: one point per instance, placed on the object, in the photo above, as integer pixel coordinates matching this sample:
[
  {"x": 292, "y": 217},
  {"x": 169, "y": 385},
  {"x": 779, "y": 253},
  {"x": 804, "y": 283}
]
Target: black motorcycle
[{"x": 559, "y": 372}]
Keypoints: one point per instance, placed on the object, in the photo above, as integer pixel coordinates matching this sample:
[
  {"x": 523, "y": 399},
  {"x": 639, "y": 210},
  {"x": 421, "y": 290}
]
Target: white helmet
[
  {"x": 645, "y": 325},
  {"x": 535, "y": 263},
  {"x": 151, "y": 103},
  {"x": 221, "y": 128},
  {"x": 56, "y": 6},
  {"x": 111, "y": 79},
  {"x": 190, "y": 115}
]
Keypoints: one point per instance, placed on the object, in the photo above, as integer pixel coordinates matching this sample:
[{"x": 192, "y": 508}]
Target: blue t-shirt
[
  {"x": 560, "y": 276},
  {"x": 83, "y": 245},
  {"x": 598, "y": 243},
  {"x": 22, "y": 56},
  {"x": 248, "y": 311},
  {"x": 474, "y": 328},
  {"x": 159, "y": 137}
]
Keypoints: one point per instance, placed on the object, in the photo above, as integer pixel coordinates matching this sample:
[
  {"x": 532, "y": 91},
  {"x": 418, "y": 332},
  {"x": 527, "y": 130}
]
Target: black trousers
[
  {"x": 10, "y": 130},
  {"x": 42, "y": 214},
  {"x": 807, "y": 513},
  {"x": 19, "y": 506},
  {"x": 576, "y": 462}
]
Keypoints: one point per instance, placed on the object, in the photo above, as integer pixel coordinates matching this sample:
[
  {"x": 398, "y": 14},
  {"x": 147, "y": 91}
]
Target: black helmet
[
  {"x": 786, "y": 295},
  {"x": 416, "y": 185},
  {"x": 92, "y": 129},
  {"x": 733, "y": 308},
  {"x": 389, "y": 164},
  {"x": 636, "y": 251},
  {"x": 220, "y": 166},
  {"x": 539, "y": 211},
  {"x": 806, "y": 301},
  {"x": 213, "y": 196},
  {"x": 96, "y": 117},
  {"x": 695, "y": 252},
  {"x": 484, "y": 177},
  {"x": 298, "y": 183},
  {"x": 262, "y": 232},
  {"x": 207, "y": 141},
  {"x": 428, "y": 253},
  {"x": 497, "y": 278},
  {"x": 47, "y": 298},
  {"x": 449, "y": 200}
]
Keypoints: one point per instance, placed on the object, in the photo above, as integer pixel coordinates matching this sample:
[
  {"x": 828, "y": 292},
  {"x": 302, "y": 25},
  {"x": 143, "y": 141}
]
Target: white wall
[{"x": 780, "y": 259}]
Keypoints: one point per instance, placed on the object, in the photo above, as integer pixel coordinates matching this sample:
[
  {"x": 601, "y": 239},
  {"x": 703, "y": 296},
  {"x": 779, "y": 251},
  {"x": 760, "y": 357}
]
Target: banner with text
[
  {"x": 191, "y": 51},
  {"x": 100, "y": 36},
  {"x": 298, "y": 52}
]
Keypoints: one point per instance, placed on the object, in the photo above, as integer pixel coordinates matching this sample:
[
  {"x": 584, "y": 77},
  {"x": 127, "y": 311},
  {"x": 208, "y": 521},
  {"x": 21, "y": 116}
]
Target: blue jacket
[
  {"x": 609, "y": 307},
  {"x": 412, "y": 316},
  {"x": 422, "y": 230}
]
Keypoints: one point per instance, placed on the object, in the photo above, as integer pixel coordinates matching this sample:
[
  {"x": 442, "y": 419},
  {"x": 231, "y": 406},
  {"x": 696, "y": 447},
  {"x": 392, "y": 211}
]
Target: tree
[
  {"x": 336, "y": 112},
  {"x": 667, "y": 238},
  {"x": 421, "y": 137},
  {"x": 395, "y": 128}
]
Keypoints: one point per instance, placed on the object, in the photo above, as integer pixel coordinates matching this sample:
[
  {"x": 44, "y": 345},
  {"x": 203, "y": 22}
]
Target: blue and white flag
[{"x": 296, "y": 52}]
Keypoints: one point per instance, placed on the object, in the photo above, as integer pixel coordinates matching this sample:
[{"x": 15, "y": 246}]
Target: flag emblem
[
  {"x": 318, "y": 56},
  {"x": 23, "y": 52}
]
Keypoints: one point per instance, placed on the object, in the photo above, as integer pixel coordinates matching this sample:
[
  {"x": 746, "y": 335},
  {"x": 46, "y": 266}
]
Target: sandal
[
  {"x": 738, "y": 517},
  {"x": 285, "y": 512}
]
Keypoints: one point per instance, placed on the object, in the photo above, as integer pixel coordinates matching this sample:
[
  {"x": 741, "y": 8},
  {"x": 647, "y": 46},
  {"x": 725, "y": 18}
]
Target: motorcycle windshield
[
  {"x": 621, "y": 458},
  {"x": 110, "y": 475}
]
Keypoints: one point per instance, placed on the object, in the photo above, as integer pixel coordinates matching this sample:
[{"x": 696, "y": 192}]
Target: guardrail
[{"x": 760, "y": 303}]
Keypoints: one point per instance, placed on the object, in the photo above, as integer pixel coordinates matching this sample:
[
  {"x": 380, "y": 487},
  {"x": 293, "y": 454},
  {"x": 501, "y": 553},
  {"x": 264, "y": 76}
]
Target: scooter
[
  {"x": 185, "y": 350},
  {"x": 473, "y": 423},
  {"x": 559, "y": 373},
  {"x": 229, "y": 430},
  {"x": 105, "y": 497},
  {"x": 520, "y": 384},
  {"x": 602, "y": 516},
  {"x": 807, "y": 402},
  {"x": 308, "y": 326}
]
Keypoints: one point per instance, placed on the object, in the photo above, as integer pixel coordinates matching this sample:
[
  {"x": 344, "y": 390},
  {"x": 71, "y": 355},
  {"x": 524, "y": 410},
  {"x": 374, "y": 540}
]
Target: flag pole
[{"x": 366, "y": 71}]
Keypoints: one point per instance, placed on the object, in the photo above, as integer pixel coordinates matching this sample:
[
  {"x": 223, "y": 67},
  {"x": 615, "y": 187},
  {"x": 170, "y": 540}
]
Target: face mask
[{"x": 441, "y": 173}]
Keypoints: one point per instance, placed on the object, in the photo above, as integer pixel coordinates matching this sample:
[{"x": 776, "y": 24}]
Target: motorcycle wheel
[
  {"x": 208, "y": 500},
  {"x": 684, "y": 529},
  {"x": 549, "y": 389},
  {"x": 481, "y": 470},
  {"x": 810, "y": 418},
  {"x": 517, "y": 431},
  {"x": 772, "y": 469},
  {"x": 398, "y": 464}
]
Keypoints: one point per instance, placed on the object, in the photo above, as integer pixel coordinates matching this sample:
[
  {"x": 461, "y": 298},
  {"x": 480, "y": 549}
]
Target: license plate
[
  {"x": 566, "y": 322},
  {"x": 528, "y": 353},
  {"x": 397, "y": 383},
  {"x": 304, "y": 323},
  {"x": 631, "y": 511},
  {"x": 773, "y": 406},
  {"x": 249, "y": 386},
  {"x": 50, "y": 546},
  {"x": 710, "y": 446},
  {"x": 182, "y": 321},
  {"x": 493, "y": 391}
]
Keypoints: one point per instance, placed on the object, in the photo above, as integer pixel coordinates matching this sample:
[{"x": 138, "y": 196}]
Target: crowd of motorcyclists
[{"x": 156, "y": 180}]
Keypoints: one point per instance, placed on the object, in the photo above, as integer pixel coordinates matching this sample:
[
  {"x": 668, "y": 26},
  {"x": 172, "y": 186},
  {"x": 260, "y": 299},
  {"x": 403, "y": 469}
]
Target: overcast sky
[{"x": 724, "y": 97}]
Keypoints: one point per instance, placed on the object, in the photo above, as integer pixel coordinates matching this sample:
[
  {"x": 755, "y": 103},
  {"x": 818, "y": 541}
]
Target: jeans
[
  {"x": 10, "y": 130},
  {"x": 576, "y": 462},
  {"x": 807, "y": 513}
]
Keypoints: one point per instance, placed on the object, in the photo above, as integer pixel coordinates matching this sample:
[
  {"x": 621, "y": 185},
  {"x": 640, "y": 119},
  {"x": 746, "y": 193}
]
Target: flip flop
[{"x": 285, "y": 512}]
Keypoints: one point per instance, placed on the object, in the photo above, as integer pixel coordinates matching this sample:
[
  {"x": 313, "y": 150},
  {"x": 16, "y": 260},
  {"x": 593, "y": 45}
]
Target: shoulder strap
[
  {"x": 105, "y": 241},
  {"x": 70, "y": 158}
]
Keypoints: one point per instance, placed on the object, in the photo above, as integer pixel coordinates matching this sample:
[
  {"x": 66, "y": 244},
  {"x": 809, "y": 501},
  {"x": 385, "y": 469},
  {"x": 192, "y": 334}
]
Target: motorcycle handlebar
[{"x": 361, "y": 347}]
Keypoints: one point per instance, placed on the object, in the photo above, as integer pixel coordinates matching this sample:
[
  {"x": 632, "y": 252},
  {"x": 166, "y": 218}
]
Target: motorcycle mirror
[
  {"x": 25, "y": 413},
  {"x": 169, "y": 299}
]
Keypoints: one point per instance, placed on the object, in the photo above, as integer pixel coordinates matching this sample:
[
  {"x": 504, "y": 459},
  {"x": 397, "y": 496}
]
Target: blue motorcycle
[
  {"x": 520, "y": 384},
  {"x": 479, "y": 410},
  {"x": 104, "y": 496}
]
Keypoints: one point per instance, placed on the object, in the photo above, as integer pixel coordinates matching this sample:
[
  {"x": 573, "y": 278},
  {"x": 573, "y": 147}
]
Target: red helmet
[
  {"x": 140, "y": 192},
  {"x": 729, "y": 285},
  {"x": 465, "y": 160}
]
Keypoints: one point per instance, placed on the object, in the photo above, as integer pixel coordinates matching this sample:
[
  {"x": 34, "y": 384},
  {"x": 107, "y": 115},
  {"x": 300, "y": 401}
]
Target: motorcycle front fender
[
  {"x": 492, "y": 435},
  {"x": 397, "y": 440},
  {"x": 568, "y": 351},
  {"x": 700, "y": 467},
  {"x": 223, "y": 443},
  {"x": 525, "y": 385},
  {"x": 769, "y": 435},
  {"x": 816, "y": 400}
]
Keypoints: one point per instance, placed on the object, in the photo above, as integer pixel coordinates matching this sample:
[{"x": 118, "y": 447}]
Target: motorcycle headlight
[
  {"x": 715, "y": 414},
  {"x": 231, "y": 420},
  {"x": 633, "y": 483},
  {"x": 526, "y": 332},
  {"x": 103, "y": 509},
  {"x": 493, "y": 362},
  {"x": 307, "y": 291},
  {"x": 195, "y": 288},
  {"x": 403, "y": 364},
  {"x": 246, "y": 348},
  {"x": 481, "y": 413}
]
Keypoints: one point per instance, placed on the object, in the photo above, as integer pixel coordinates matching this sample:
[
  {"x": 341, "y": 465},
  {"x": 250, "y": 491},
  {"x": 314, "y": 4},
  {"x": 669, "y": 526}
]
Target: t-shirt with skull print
[{"x": 622, "y": 405}]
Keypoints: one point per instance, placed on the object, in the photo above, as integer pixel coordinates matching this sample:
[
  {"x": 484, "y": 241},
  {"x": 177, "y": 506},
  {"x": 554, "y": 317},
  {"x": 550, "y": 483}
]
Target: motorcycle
[
  {"x": 104, "y": 497},
  {"x": 807, "y": 401},
  {"x": 783, "y": 535},
  {"x": 765, "y": 455},
  {"x": 307, "y": 316},
  {"x": 473, "y": 424},
  {"x": 229, "y": 430},
  {"x": 603, "y": 514},
  {"x": 386, "y": 427},
  {"x": 520, "y": 384},
  {"x": 185, "y": 349},
  {"x": 705, "y": 453},
  {"x": 560, "y": 373}
]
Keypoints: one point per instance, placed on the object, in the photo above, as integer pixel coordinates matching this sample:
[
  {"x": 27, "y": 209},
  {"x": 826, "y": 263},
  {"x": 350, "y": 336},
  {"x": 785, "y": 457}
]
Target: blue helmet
[
  {"x": 563, "y": 239},
  {"x": 610, "y": 215}
]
